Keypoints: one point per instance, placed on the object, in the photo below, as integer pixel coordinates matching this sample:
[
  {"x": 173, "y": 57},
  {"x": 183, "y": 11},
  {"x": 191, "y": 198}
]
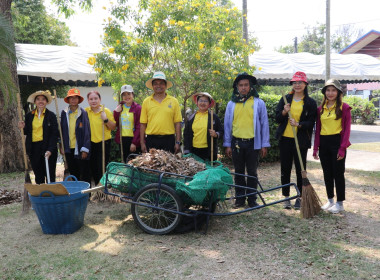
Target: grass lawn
[{"x": 369, "y": 147}]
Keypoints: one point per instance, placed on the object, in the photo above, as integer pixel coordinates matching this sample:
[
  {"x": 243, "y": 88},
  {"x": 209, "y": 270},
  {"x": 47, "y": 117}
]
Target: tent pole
[{"x": 328, "y": 46}]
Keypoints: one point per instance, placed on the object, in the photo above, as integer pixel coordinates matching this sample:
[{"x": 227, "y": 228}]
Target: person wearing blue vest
[{"x": 246, "y": 136}]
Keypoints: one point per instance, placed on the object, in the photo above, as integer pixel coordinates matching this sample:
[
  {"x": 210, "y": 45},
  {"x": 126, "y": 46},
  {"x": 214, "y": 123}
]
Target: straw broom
[{"x": 310, "y": 203}]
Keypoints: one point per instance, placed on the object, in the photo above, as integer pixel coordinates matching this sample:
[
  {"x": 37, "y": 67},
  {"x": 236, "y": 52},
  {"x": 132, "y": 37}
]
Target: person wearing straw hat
[
  {"x": 161, "y": 117},
  {"x": 303, "y": 110},
  {"x": 41, "y": 130},
  {"x": 128, "y": 112},
  {"x": 101, "y": 120},
  {"x": 76, "y": 136},
  {"x": 198, "y": 130},
  {"x": 332, "y": 136},
  {"x": 246, "y": 135}
]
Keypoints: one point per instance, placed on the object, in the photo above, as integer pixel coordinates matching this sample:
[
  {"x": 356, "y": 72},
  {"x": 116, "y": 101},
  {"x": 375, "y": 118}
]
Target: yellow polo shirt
[
  {"x": 37, "y": 129},
  {"x": 96, "y": 124},
  {"x": 200, "y": 130},
  {"x": 242, "y": 125},
  {"x": 329, "y": 125},
  {"x": 296, "y": 109},
  {"x": 72, "y": 121},
  {"x": 127, "y": 122},
  {"x": 160, "y": 117}
]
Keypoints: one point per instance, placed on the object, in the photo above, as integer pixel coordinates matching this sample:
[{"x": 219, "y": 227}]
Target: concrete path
[{"x": 362, "y": 160}]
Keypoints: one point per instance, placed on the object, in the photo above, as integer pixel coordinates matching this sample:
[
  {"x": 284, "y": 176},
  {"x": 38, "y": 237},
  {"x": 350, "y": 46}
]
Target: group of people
[{"x": 157, "y": 124}]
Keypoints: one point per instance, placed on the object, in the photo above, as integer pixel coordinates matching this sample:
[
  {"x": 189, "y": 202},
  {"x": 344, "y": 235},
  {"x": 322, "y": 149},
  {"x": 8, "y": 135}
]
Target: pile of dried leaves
[
  {"x": 167, "y": 162},
  {"x": 8, "y": 197}
]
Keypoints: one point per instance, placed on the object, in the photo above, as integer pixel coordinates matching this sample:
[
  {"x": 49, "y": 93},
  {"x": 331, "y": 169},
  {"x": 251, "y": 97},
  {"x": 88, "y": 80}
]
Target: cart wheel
[{"x": 156, "y": 221}]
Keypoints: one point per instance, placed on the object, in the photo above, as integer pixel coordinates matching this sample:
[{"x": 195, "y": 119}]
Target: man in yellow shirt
[
  {"x": 160, "y": 119},
  {"x": 246, "y": 134}
]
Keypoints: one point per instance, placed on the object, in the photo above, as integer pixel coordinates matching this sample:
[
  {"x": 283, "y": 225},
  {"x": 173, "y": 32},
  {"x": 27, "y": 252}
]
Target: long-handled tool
[
  {"x": 121, "y": 133},
  {"x": 47, "y": 170},
  {"x": 310, "y": 204},
  {"x": 26, "y": 204},
  {"x": 103, "y": 147},
  {"x": 66, "y": 172},
  {"x": 212, "y": 138}
]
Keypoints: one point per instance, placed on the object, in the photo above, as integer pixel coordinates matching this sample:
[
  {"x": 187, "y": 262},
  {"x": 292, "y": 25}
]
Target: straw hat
[
  {"x": 332, "y": 82},
  {"x": 45, "y": 93},
  {"x": 299, "y": 77},
  {"x": 73, "y": 92},
  {"x": 158, "y": 76},
  {"x": 126, "y": 88},
  {"x": 212, "y": 101}
]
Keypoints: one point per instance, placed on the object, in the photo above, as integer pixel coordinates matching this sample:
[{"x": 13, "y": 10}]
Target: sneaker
[
  {"x": 336, "y": 209},
  {"x": 287, "y": 204},
  {"x": 297, "y": 204},
  {"x": 327, "y": 206}
]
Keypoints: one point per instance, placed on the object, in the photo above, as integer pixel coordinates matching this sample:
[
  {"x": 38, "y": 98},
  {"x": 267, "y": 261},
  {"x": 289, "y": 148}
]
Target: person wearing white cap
[
  {"x": 198, "y": 133},
  {"x": 127, "y": 117},
  {"x": 160, "y": 117},
  {"x": 41, "y": 130}
]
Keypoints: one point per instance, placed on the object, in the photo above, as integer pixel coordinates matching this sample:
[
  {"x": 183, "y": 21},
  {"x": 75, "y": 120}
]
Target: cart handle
[{"x": 93, "y": 189}]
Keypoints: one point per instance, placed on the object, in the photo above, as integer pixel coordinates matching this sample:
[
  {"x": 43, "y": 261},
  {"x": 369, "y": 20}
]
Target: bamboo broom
[{"x": 310, "y": 203}]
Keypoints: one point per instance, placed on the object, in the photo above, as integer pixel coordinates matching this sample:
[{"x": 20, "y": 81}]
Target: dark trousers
[
  {"x": 96, "y": 160},
  {"x": 127, "y": 141},
  {"x": 288, "y": 153},
  {"x": 37, "y": 160},
  {"x": 78, "y": 167},
  {"x": 163, "y": 142},
  {"x": 201, "y": 152},
  {"x": 244, "y": 156},
  {"x": 333, "y": 169}
]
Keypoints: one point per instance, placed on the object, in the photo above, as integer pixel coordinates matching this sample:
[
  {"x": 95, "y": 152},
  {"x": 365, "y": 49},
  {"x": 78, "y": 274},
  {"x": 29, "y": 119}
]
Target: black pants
[
  {"x": 333, "y": 169},
  {"x": 201, "y": 152},
  {"x": 244, "y": 156},
  {"x": 78, "y": 167},
  {"x": 96, "y": 159},
  {"x": 37, "y": 160},
  {"x": 163, "y": 142},
  {"x": 288, "y": 153},
  {"x": 127, "y": 141}
]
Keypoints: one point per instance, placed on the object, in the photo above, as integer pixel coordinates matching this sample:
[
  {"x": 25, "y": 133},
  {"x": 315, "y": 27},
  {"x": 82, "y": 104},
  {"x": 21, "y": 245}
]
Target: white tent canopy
[
  {"x": 56, "y": 62},
  {"x": 351, "y": 67}
]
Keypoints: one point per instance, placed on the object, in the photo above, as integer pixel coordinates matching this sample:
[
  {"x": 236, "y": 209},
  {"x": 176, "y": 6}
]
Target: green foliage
[
  {"x": 362, "y": 109},
  {"x": 271, "y": 101},
  {"x": 32, "y": 24}
]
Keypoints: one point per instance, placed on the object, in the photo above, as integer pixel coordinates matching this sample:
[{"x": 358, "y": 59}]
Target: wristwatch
[
  {"x": 105, "y": 121},
  {"x": 178, "y": 142}
]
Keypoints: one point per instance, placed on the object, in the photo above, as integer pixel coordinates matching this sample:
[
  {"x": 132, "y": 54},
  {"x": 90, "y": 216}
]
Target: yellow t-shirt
[
  {"x": 37, "y": 129},
  {"x": 329, "y": 125},
  {"x": 200, "y": 130},
  {"x": 96, "y": 124},
  {"x": 296, "y": 109},
  {"x": 160, "y": 117},
  {"x": 242, "y": 124},
  {"x": 127, "y": 122},
  {"x": 72, "y": 121}
]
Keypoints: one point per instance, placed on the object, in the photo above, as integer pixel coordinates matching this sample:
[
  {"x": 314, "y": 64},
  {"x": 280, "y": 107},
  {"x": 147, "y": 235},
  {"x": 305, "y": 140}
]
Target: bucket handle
[
  {"x": 71, "y": 176},
  {"x": 48, "y": 192}
]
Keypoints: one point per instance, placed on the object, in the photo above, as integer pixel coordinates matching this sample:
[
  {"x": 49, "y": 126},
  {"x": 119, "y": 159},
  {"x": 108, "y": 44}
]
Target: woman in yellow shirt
[
  {"x": 332, "y": 136},
  {"x": 198, "y": 132},
  {"x": 99, "y": 117}
]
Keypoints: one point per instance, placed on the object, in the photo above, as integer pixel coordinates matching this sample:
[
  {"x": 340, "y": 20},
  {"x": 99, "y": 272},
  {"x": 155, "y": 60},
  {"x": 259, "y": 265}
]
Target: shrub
[{"x": 362, "y": 109}]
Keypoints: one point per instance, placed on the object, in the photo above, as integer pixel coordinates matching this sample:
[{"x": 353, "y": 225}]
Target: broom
[
  {"x": 310, "y": 203},
  {"x": 212, "y": 139},
  {"x": 26, "y": 204}
]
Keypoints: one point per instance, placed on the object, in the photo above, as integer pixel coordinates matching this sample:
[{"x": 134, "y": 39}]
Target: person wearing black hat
[
  {"x": 246, "y": 135},
  {"x": 332, "y": 136}
]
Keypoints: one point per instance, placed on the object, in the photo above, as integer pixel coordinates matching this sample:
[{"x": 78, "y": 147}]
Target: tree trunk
[
  {"x": 245, "y": 26},
  {"x": 11, "y": 158}
]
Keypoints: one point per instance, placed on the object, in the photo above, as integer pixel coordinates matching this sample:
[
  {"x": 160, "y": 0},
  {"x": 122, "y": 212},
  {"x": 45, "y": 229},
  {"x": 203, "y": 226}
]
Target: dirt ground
[{"x": 269, "y": 243}]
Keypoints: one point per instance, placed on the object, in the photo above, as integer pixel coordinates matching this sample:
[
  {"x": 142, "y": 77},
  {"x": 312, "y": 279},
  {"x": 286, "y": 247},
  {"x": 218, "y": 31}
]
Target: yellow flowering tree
[{"x": 198, "y": 45}]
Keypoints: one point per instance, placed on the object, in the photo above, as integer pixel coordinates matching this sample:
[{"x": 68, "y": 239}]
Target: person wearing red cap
[
  {"x": 303, "y": 110},
  {"x": 76, "y": 136},
  {"x": 198, "y": 133}
]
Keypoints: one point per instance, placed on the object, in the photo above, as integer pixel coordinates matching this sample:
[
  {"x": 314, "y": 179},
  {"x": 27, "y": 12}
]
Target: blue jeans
[{"x": 245, "y": 157}]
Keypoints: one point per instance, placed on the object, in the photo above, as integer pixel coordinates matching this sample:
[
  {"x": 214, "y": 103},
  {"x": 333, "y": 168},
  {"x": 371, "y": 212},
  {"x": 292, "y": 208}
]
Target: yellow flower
[
  {"x": 104, "y": 8},
  {"x": 139, "y": 22},
  {"x": 217, "y": 48},
  {"x": 175, "y": 39},
  {"x": 125, "y": 67},
  {"x": 156, "y": 24},
  {"x": 215, "y": 72},
  {"x": 229, "y": 78},
  {"x": 183, "y": 42},
  {"x": 197, "y": 56},
  {"x": 201, "y": 46},
  {"x": 188, "y": 28},
  {"x": 109, "y": 18},
  {"x": 139, "y": 41},
  {"x": 105, "y": 35},
  {"x": 227, "y": 29},
  {"x": 97, "y": 69},
  {"x": 118, "y": 42},
  {"x": 260, "y": 68},
  {"x": 172, "y": 22},
  {"x": 101, "y": 82},
  {"x": 155, "y": 29},
  {"x": 119, "y": 71},
  {"x": 180, "y": 8},
  {"x": 91, "y": 60},
  {"x": 180, "y": 23},
  {"x": 111, "y": 50}
]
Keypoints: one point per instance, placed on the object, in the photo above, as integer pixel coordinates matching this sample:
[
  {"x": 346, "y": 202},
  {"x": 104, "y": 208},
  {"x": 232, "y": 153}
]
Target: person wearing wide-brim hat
[
  {"x": 198, "y": 133},
  {"x": 246, "y": 135},
  {"x": 160, "y": 121},
  {"x": 41, "y": 130},
  {"x": 332, "y": 136},
  {"x": 76, "y": 136},
  {"x": 303, "y": 110},
  {"x": 127, "y": 117}
]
